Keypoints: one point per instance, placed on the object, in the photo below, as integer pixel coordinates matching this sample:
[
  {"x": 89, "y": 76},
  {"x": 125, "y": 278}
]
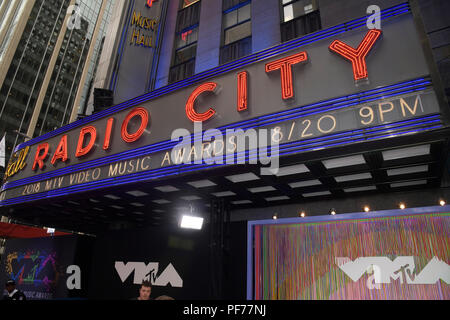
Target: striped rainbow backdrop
[{"x": 297, "y": 261}]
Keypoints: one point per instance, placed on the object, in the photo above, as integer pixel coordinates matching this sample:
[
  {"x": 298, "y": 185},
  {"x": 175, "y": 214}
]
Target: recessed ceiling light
[
  {"x": 241, "y": 202},
  {"x": 277, "y": 198},
  {"x": 190, "y": 198},
  {"x": 167, "y": 189},
  {"x": 224, "y": 194},
  {"x": 158, "y": 210},
  {"x": 137, "y": 204},
  {"x": 299, "y": 168},
  {"x": 358, "y": 189},
  {"x": 344, "y": 162},
  {"x": 242, "y": 177},
  {"x": 137, "y": 193},
  {"x": 161, "y": 201},
  {"x": 315, "y": 194},
  {"x": 304, "y": 183},
  {"x": 138, "y": 212},
  {"x": 110, "y": 196},
  {"x": 116, "y": 207},
  {"x": 202, "y": 184},
  {"x": 98, "y": 209},
  {"x": 261, "y": 189},
  {"x": 406, "y": 152},
  {"x": 94, "y": 201},
  {"x": 407, "y": 170},
  {"x": 408, "y": 183},
  {"x": 354, "y": 177},
  {"x": 73, "y": 202}
]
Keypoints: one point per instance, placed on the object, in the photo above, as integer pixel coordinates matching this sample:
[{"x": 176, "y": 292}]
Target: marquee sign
[{"x": 358, "y": 86}]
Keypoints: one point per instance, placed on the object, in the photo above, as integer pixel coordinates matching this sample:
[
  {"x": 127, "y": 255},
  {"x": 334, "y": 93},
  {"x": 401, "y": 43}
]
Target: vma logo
[
  {"x": 149, "y": 272},
  {"x": 384, "y": 270}
]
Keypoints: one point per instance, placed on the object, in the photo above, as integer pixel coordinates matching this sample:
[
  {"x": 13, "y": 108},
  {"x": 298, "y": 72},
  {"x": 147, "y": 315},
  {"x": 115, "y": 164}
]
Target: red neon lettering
[
  {"x": 190, "y": 112},
  {"x": 143, "y": 114},
  {"x": 357, "y": 56},
  {"x": 39, "y": 159},
  {"x": 93, "y": 133},
  {"x": 107, "y": 140},
  {"x": 150, "y": 3},
  {"x": 61, "y": 150},
  {"x": 285, "y": 65},
  {"x": 242, "y": 92}
]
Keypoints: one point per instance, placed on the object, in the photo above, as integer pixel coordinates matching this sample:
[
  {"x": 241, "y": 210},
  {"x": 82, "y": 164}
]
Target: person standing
[
  {"x": 13, "y": 293},
  {"x": 144, "y": 291}
]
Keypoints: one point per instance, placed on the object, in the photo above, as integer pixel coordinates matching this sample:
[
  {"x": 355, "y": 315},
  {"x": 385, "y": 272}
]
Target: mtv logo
[{"x": 149, "y": 272}]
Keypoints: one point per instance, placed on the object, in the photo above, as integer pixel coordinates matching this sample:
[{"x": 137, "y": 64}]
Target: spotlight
[
  {"x": 190, "y": 222},
  {"x": 333, "y": 211},
  {"x": 402, "y": 206},
  {"x": 442, "y": 202},
  {"x": 275, "y": 217},
  {"x": 302, "y": 214},
  {"x": 366, "y": 209}
]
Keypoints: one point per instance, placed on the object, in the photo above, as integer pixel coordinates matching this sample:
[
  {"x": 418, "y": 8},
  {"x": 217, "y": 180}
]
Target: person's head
[
  {"x": 10, "y": 286},
  {"x": 145, "y": 290}
]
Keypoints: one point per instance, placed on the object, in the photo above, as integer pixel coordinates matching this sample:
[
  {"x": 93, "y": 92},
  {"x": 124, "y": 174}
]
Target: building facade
[
  {"x": 46, "y": 48},
  {"x": 352, "y": 97}
]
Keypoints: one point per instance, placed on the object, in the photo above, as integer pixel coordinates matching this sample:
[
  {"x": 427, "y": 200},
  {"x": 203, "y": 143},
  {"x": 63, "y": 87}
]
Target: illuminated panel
[
  {"x": 375, "y": 260},
  {"x": 93, "y": 134},
  {"x": 190, "y": 112},
  {"x": 357, "y": 56},
  {"x": 242, "y": 92},
  {"x": 39, "y": 158},
  {"x": 61, "y": 150},
  {"x": 143, "y": 114},
  {"x": 107, "y": 141},
  {"x": 285, "y": 66}
]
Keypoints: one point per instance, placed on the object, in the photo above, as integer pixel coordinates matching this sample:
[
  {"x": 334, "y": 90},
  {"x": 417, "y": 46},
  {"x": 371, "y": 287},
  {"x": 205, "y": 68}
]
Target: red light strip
[
  {"x": 107, "y": 140},
  {"x": 285, "y": 65},
  {"x": 190, "y": 112},
  {"x": 143, "y": 114},
  {"x": 93, "y": 133},
  {"x": 61, "y": 150},
  {"x": 242, "y": 93},
  {"x": 358, "y": 56}
]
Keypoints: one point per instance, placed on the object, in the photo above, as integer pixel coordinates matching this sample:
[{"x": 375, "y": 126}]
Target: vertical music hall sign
[{"x": 136, "y": 49}]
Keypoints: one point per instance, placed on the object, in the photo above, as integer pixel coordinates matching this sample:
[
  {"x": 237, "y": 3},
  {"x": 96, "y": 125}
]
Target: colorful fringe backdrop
[{"x": 298, "y": 261}]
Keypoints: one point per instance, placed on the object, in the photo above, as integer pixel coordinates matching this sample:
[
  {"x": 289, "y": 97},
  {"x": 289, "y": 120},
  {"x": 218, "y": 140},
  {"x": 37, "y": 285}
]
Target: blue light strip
[
  {"x": 182, "y": 169},
  {"x": 417, "y": 84},
  {"x": 236, "y": 64},
  {"x": 308, "y": 142},
  {"x": 239, "y": 5}
]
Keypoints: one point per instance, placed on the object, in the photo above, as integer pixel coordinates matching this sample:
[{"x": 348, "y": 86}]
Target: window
[
  {"x": 185, "y": 47},
  {"x": 299, "y": 17},
  {"x": 237, "y": 30}
]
